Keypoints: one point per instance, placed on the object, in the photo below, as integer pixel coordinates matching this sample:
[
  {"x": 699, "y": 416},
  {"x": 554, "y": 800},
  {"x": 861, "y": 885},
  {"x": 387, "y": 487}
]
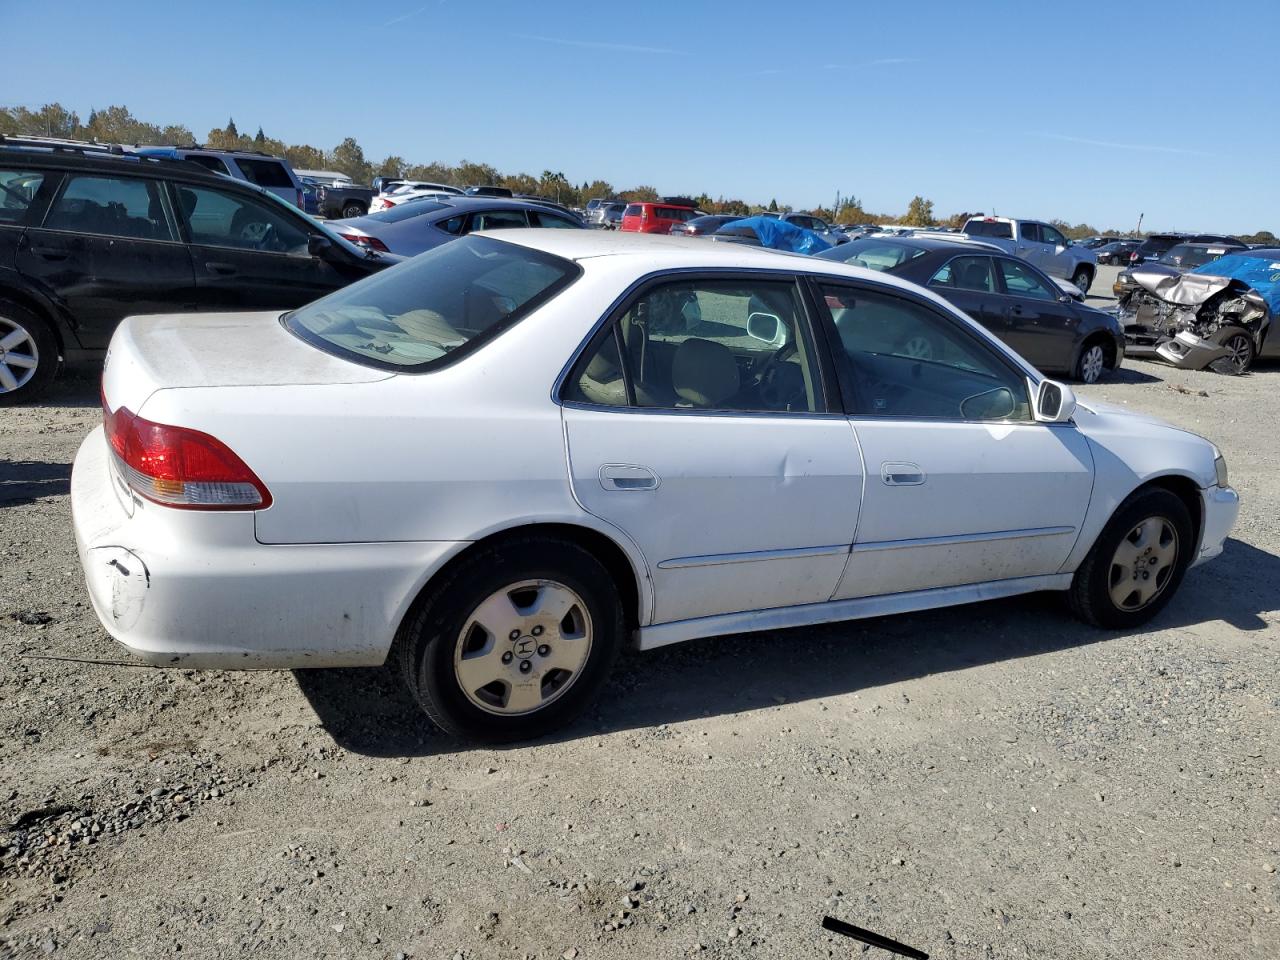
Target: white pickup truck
[{"x": 1041, "y": 243}]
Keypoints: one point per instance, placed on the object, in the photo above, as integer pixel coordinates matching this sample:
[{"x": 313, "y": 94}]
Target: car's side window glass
[
  {"x": 1051, "y": 235},
  {"x": 452, "y": 225},
  {"x": 1031, "y": 232},
  {"x": 220, "y": 219},
  {"x": 551, "y": 220},
  {"x": 706, "y": 345},
  {"x": 905, "y": 360},
  {"x": 18, "y": 189},
  {"x": 265, "y": 173},
  {"x": 966, "y": 273},
  {"x": 111, "y": 206},
  {"x": 1020, "y": 281},
  {"x": 209, "y": 163},
  {"x": 498, "y": 220}
]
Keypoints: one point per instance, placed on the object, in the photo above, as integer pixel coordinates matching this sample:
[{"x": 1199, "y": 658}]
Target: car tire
[
  {"x": 1241, "y": 351},
  {"x": 1083, "y": 278},
  {"x": 28, "y": 354},
  {"x": 353, "y": 210},
  {"x": 1092, "y": 362},
  {"x": 1137, "y": 562},
  {"x": 462, "y": 632}
]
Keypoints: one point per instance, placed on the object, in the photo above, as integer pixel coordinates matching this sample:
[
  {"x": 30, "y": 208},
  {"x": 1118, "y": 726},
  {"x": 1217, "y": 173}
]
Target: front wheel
[
  {"x": 28, "y": 354},
  {"x": 1092, "y": 363},
  {"x": 1137, "y": 562},
  {"x": 517, "y": 640},
  {"x": 1083, "y": 278},
  {"x": 1240, "y": 352}
]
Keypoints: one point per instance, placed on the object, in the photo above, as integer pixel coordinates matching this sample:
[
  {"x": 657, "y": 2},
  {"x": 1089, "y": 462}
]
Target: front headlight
[{"x": 1220, "y": 470}]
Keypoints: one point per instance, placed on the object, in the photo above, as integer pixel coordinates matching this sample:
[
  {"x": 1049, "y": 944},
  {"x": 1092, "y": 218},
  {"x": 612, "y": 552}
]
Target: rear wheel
[
  {"x": 28, "y": 354},
  {"x": 1137, "y": 562},
  {"x": 1083, "y": 278},
  {"x": 517, "y": 640},
  {"x": 353, "y": 210}
]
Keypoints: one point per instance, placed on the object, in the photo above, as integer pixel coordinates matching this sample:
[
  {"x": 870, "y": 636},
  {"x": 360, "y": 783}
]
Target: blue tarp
[
  {"x": 776, "y": 234},
  {"x": 1261, "y": 273}
]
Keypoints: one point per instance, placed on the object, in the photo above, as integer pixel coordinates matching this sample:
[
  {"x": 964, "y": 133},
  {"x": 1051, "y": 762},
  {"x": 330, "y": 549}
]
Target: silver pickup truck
[{"x": 1041, "y": 243}]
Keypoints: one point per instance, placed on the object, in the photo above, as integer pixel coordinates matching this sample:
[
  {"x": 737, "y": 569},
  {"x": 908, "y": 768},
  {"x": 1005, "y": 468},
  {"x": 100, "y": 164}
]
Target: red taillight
[
  {"x": 180, "y": 467},
  {"x": 1133, "y": 258},
  {"x": 300, "y": 202},
  {"x": 365, "y": 241}
]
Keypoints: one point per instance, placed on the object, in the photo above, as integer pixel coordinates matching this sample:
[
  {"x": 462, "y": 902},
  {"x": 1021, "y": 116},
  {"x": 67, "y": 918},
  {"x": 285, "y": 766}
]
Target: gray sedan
[{"x": 421, "y": 224}]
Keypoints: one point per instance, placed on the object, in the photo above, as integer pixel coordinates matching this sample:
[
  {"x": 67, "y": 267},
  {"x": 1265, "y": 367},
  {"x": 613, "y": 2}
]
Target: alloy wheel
[
  {"x": 1092, "y": 363},
  {"x": 1239, "y": 352},
  {"x": 523, "y": 647},
  {"x": 19, "y": 356},
  {"x": 1143, "y": 562}
]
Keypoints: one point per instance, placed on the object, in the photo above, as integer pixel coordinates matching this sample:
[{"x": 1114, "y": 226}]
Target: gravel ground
[{"x": 991, "y": 781}]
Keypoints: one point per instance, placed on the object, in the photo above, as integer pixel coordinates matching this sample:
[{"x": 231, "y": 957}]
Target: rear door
[
  {"x": 108, "y": 247},
  {"x": 970, "y": 283},
  {"x": 249, "y": 253},
  {"x": 1029, "y": 245},
  {"x": 698, "y": 423},
  {"x": 271, "y": 175}
]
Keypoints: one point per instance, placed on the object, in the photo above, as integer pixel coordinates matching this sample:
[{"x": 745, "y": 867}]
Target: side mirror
[
  {"x": 1054, "y": 402},
  {"x": 318, "y": 245},
  {"x": 767, "y": 327},
  {"x": 1061, "y": 247}
]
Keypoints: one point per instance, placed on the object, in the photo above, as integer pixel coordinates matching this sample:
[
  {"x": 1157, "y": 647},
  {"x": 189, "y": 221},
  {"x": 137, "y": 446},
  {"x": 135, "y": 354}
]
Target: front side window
[
  {"x": 1051, "y": 235},
  {"x": 265, "y": 173},
  {"x": 705, "y": 345},
  {"x": 112, "y": 207},
  {"x": 218, "y": 219},
  {"x": 18, "y": 189},
  {"x": 904, "y": 360},
  {"x": 1021, "y": 281},
  {"x": 437, "y": 306},
  {"x": 966, "y": 273}
]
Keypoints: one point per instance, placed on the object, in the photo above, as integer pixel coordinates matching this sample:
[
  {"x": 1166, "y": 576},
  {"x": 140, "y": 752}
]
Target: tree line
[{"x": 115, "y": 124}]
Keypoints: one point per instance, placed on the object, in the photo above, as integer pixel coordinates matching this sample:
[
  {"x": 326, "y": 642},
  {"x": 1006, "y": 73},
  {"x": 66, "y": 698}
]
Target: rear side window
[
  {"x": 551, "y": 220},
  {"x": 18, "y": 189},
  {"x": 112, "y": 207},
  {"x": 883, "y": 255},
  {"x": 1031, "y": 231},
  {"x": 209, "y": 163},
  {"x": 437, "y": 307},
  {"x": 265, "y": 173},
  {"x": 408, "y": 210},
  {"x": 966, "y": 273}
]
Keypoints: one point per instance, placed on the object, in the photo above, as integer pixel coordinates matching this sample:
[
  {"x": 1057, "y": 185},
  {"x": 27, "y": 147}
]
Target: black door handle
[
  {"x": 221, "y": 269},
  {"x": 1016, "y": 309},
  {"x": 51, "y": 253}
]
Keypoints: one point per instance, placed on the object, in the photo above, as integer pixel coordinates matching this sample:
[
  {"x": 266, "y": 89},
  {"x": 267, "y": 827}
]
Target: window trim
[
  {"x": 38, "y": 208},
  {"x": 856, "y": 409},
  {"x": 1040, "y": 275},
  {"x": 830, "y": 397},
  {"x": 990, "y": 258},
  {"x": 171, "y": 219}
]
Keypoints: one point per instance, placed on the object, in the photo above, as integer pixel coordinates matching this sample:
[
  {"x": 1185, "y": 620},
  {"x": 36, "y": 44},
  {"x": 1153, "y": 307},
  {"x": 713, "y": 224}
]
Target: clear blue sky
[{"x": 1078, "y": 109}]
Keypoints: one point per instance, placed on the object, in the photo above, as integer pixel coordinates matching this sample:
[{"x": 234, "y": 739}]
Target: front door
[
  {"x": 108, "y": 248},
  {"x": 962, "y": 485},
  {"x": 698, "y": 424},
  {"x": 1041, "y": 327},
  {"x": 250, "y": 254}
]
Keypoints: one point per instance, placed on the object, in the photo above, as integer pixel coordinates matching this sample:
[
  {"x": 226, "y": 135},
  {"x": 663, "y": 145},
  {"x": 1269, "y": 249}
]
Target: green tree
[
  {"x": 919, "y": 213},
  {"x": 519, "y": 183},
  {"x": 393, "y": 166},
  {"x": 305, "y": 156},
  {"x": 639, "y": 194},
  {"x": 773, "y": 206},
  {"x": 259, "y": 139},
  {"x": 468, "y": 174},
  {"x": 348, "y": 157}
]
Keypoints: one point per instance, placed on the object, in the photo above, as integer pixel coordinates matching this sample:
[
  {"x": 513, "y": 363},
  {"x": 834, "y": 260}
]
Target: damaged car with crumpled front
[{"x": 1220, "y": 315}]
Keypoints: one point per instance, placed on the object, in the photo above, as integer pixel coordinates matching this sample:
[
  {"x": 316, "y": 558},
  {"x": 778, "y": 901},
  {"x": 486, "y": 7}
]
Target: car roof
[
  {"x": 956, "y": 243},
  {"x": 102, "y": 161},
  {"x": 466, "y": 203}
]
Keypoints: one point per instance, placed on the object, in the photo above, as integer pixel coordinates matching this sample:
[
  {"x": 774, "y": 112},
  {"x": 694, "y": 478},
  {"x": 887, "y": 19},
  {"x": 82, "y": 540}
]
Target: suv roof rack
[
  {"x": 204, "y": 149},
  {"x": 61, "y": 144}
]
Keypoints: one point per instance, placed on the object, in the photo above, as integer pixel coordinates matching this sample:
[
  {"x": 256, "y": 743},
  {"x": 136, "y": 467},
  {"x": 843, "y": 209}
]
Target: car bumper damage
[{"x": 195, "y": 589}]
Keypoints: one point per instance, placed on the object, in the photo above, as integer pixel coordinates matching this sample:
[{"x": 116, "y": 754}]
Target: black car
[
  {"x": 89, "y": 236},
  {"x": 702, "y": 226},
  {"x": 1116, "y": 253},
  {"x": 1013, "y": 299},
  {"x": 1158, "y": 244}
]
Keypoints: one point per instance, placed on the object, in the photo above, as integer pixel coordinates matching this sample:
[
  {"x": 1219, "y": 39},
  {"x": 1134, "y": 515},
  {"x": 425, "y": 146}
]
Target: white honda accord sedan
[{"x": 500, "y": 461}]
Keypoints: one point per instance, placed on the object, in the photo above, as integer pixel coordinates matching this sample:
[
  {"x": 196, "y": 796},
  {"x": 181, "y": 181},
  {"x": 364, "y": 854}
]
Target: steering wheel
[
  {"x": 766, "y": 381},
  {"x": 258, "y": 234}
]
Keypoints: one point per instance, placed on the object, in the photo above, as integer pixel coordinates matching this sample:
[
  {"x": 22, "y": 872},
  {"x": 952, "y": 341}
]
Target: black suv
[{"x": 90, "y": 235}]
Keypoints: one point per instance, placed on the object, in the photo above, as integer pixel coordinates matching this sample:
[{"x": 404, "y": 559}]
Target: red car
[{"x": 655, "y": 217}]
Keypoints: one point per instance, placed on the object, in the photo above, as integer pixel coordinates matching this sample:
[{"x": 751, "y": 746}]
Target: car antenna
[{"x": 874, "y": 939}]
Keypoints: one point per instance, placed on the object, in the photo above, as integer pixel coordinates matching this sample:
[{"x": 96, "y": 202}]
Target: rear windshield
[
  {"x": 265, "y": 173},
  {"x": 989, "y": 228},
  {"x": 436, "y": 307},
  {"x": 1158, "y": 244},
  {"x": 874, "y": 254},
  {"x": 1185, "y": 255},
  {"x": 405, "y": 210}
]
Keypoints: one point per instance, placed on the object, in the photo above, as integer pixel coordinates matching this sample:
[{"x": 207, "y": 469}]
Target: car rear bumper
[
  {"x": 195, "y": 589},
  {"x": 1221, "y": 507}
]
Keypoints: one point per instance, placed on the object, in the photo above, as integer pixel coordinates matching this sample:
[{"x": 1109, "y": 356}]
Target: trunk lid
[{"x": 150, "y": 353}]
